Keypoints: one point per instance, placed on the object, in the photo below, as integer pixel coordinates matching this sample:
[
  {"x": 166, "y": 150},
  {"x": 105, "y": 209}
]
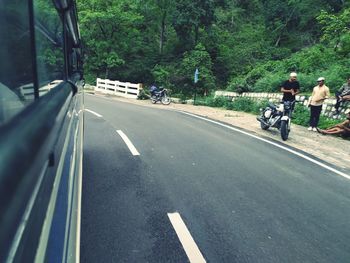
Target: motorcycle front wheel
[
  {"x": 284, "y": 130},
  {"x": 166, "y": 100}
]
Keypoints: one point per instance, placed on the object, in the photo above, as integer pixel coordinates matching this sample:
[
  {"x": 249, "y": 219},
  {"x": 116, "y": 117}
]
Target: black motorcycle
[
  {"x": 277, "y": 117},
  {"x": 161, "y": 96}
]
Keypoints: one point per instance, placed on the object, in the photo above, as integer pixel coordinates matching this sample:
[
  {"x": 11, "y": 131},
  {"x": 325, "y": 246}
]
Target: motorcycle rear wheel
[{"x": 284, "y": 130}]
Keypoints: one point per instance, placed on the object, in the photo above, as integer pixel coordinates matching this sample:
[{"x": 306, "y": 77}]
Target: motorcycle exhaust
[{"x": 262, "y": 121}]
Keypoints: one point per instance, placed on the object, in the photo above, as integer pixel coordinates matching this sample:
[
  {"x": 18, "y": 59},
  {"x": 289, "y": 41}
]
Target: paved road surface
[{"x": 241, "y": 199}]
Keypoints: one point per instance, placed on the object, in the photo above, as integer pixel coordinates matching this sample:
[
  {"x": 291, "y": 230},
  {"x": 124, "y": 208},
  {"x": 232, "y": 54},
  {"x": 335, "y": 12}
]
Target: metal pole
[{"x": 195, "y": 94}]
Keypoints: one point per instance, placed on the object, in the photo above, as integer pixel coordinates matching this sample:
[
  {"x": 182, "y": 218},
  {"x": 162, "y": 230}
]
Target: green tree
[
  {"x": 188, "y": 18},
  {"x": 236, "y": 43},
  {"x": 109, "y": 29},
  {"x": 335, "y": 27},
  {"x": 199, "y": 58}
]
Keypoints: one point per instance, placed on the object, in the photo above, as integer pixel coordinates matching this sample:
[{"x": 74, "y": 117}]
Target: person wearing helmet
[
  {"x": 290, "y": 88},
  {"x": 153, "y": 89},
  {"x": 319, "y": 94}
]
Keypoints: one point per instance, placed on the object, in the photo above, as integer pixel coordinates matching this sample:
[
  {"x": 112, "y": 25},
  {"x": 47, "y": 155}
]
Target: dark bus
[{"x": 41, "y": 131}]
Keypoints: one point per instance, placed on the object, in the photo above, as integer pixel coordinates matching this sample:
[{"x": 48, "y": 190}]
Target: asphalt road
[{"x": 242, "y": 200}]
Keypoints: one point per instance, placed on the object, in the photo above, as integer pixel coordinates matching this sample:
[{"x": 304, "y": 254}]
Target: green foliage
[
  {"x": 334, "y": 26},
  {"x": 310, "y": 63},
  {"x": 301, "y": 115},
  {"x": 238, "y": 45},
  {"x": 244, "y": 104},
  {"x": 110, "y": 30},
  {"x": 271, "y": 82},
  {"x": 239, "y": 85},
  {"x": 198, "y": 58},
  {"x": 143, "y": 95},
  {"x": 161, "y": 75},
  {"x": 344, "y": 45},
  {"x": 239, "y": 104},
  {"x": 248, "y": 105},
  {"x": 326, "y": 122}
]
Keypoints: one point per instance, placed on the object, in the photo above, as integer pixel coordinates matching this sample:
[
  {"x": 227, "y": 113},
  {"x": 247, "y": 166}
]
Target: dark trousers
[
  {"x": 315, "y": 115},
  {"x": 337, "y": 104}
]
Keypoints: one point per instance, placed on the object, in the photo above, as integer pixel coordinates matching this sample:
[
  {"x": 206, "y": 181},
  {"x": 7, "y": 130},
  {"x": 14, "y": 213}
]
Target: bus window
[
  {"x": 16, "y": 66},
  {"x": 49, "y": 45}
]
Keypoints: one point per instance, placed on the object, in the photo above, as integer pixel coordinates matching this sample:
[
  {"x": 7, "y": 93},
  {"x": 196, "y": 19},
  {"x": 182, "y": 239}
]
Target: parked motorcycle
[
  {"x": 277, "y": 117},
  {"x": 161, "y": 96}
]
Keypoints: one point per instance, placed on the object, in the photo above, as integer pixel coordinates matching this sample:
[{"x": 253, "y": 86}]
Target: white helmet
[{"x": 293, "y": 74}]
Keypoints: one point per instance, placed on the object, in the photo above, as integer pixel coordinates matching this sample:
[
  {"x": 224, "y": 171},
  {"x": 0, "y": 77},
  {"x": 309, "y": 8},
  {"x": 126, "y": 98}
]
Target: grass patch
[{"x": 301, "y": 116}]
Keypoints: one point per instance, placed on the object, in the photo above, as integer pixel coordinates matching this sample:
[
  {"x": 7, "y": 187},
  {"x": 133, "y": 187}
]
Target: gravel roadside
[{"x": 333, "y": 150}]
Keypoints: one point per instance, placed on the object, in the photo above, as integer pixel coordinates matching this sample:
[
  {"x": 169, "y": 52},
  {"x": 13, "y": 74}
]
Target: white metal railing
[{"x": 115, "y": 87}]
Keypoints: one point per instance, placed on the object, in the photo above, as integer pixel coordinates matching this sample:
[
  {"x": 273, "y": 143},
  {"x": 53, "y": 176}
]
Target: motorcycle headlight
[
  {"x": 281, "y": 107},
  {"x": 267, "y": 113}
]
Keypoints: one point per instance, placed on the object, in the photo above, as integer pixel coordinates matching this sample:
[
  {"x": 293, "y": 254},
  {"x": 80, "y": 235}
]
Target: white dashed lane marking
[
  {"x": 94, "y": 113},
  {"x": 192, "y": 251},
  {"x": 128, "y": 143}
]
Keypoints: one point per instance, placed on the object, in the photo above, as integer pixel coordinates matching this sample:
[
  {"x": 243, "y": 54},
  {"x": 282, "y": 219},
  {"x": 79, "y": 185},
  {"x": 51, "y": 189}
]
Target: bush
[
  {"x": 244, "y": 104},
  {"x": 161, "y": 75},
  {"x": 182, "y": 96},
  {"x": 259, "y": 105},
  {"x": 301, "y": 115},
  {"x": 143, "y": 95},
  {"x": 310, "y": 64},
  {"x": 229, "y": 105},
  {"x": 271, "y": 82},
  {"x": 326, "y": 122},
  {"x": 217, "y": 101},
  {"x": 239, "y": 85}
]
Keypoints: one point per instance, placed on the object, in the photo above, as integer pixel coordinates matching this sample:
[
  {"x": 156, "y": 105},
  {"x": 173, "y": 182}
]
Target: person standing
[
  {"x": 319, "y": 94},
  {"x": 342, "y": 94},
  {"x": 290, "y": 88}
]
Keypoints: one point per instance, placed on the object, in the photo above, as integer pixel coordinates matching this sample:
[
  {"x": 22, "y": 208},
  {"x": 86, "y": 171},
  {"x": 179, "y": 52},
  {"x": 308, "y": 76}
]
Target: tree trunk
[
  {"x": 162, "y": 34},
  {"x": 196, "y": 33},
  {"x": 278, "y": 41},
  {"x": 107, "y": 73}
]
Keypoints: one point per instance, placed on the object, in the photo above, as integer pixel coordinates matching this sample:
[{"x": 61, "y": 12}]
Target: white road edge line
[
  {"x": 275, "y": 144},
  {"x": 94, "y": 113},
  {"x": 267, "y": 141},
  {"x": 190, "y": 246},
  {"x": 128, "y": 143}
]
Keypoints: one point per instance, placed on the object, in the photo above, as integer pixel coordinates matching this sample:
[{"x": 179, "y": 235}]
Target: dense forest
[{"x": 237, "y": 45}]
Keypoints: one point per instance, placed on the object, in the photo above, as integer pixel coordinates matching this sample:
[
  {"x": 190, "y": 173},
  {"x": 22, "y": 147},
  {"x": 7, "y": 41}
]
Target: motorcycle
[
  {"x": 161, "y": 96},
  {"x": 277, "y": 117}
]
